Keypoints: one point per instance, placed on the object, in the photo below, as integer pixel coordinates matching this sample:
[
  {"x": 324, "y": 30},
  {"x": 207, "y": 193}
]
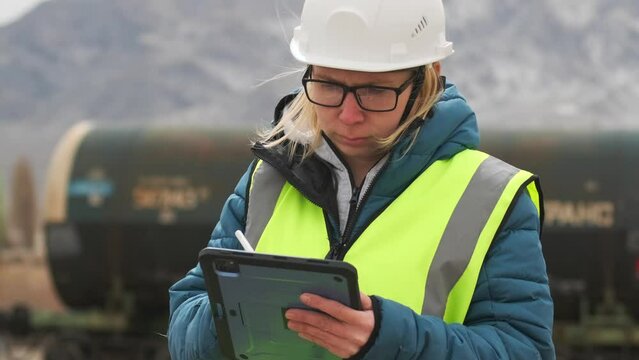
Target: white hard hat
[{"x": 371, "y": 35}]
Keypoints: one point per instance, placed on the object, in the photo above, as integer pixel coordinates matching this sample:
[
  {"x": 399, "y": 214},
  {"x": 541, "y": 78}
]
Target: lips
[{"x": 353, "y": 141}]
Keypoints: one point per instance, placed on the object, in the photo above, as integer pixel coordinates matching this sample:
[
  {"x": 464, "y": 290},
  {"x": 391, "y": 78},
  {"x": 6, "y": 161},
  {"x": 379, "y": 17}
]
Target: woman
[{"x": 371, "y": 162}]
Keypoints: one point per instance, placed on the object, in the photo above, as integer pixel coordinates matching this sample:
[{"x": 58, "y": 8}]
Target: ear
[{"x": 437, "y": 66}]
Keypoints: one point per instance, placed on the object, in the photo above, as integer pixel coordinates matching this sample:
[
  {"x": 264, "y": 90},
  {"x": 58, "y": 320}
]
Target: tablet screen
[{"x": 249, "y": 293}]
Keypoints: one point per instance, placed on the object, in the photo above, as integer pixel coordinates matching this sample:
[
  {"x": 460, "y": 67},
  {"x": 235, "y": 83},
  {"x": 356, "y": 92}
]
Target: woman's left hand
[{"x": 338, "y": 328}]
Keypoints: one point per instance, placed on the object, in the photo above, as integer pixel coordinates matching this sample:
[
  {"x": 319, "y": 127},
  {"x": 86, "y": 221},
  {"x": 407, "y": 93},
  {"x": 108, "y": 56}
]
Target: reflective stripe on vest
[
  {"x": 269, "y": 183},
  {"x": 425, "y": 250}
]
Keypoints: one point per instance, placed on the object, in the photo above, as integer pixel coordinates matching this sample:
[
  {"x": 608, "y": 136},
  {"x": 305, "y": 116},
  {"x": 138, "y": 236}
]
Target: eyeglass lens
[{"x": 369, "y": 98}]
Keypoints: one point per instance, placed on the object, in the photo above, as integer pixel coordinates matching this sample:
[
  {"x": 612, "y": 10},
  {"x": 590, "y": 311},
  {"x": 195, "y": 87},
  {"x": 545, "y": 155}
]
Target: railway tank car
[
  {"x": 127, "y": 210},
  {"x": 591, "y": 232}
]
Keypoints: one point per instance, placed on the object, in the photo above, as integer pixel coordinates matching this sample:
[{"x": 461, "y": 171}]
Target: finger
[
  {"x": 367, "y": 303},
  {"x": 330, "y": 342},
  {"x": 331, "y": 307},
  {"x": 331, "y": 330},
  {"x": 317, "y": 320},
  {"x": 341, "y": 353}
]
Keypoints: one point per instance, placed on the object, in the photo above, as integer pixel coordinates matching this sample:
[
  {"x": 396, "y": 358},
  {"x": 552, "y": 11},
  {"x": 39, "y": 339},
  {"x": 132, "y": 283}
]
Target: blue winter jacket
[{"x": 511, "y": 313}]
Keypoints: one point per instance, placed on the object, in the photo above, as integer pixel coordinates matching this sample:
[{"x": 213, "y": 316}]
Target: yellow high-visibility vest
[{"x": 425, "y": 250}]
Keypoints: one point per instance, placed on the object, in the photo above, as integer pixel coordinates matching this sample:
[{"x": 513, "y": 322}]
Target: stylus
[{"x": 242, "y": 239}]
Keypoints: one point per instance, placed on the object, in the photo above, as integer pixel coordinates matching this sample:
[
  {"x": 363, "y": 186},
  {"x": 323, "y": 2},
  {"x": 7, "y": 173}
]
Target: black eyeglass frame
[{"x": 353, "y": 89}]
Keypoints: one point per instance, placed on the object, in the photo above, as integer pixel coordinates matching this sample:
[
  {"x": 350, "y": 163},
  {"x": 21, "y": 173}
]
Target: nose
[{"x": 350, "y": 112}]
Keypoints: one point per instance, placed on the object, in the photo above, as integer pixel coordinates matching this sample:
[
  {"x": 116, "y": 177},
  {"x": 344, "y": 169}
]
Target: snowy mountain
[
  {"x": 138, "y": 61},
  {"x": 566, "y": 64},
  {"x": 523, "y": 64},
  {"x": 198, "y": 61}
]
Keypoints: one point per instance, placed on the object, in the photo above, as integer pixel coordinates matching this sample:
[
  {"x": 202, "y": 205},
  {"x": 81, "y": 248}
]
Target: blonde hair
[{"x": 299, "y": 126}]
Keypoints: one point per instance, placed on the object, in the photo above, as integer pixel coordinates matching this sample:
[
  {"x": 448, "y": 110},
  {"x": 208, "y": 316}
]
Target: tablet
[{"x": 249, "y": 293}]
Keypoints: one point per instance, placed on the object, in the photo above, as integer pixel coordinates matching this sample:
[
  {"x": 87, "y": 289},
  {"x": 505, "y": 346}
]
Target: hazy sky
[{"x": 13, "y": 9}]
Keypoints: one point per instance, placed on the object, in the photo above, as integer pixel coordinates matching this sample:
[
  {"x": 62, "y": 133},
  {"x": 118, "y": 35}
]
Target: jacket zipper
[
  {"x": 352, "y": 207},
  {"x": 350, "y": 221},
  {"x": 347, "y": 240},
  {"x": 338, "y": 249}
]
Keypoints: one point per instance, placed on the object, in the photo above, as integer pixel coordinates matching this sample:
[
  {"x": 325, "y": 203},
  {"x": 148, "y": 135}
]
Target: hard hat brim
[{"x": 367, "y": 66}]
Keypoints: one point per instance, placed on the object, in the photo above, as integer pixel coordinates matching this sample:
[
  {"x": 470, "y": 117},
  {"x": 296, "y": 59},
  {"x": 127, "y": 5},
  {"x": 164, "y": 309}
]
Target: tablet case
[{"x": 249, "y": 293}]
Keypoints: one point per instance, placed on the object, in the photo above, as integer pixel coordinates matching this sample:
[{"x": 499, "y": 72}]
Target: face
[{"x": 353, "y": 130}]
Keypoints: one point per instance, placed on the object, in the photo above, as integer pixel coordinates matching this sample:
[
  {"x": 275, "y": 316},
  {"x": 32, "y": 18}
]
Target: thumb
[{"x": 367, "y": 303}]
